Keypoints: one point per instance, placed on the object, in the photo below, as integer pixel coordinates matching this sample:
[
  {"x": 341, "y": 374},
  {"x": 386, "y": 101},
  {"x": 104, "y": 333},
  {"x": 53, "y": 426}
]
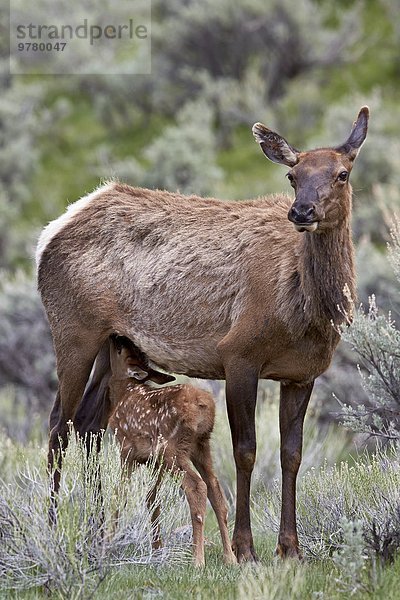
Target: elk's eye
[
  {"x": 291, "y": 178},
  {"x": 342, "y": 176}
]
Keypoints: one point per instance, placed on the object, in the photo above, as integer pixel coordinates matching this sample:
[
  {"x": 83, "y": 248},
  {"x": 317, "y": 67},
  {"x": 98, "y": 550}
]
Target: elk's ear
[
  {"x": 159, "y": 378},
  {"x": 357, "y": 135},
  {"x": 275, "y": 147}
]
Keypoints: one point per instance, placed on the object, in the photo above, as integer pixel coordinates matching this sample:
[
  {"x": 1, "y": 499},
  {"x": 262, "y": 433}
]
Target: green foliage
[
  {"x": 364, "y": 491},
  {"x": 19, "y": 157},
  {"x": 27, "y": 365},
  {"x": 226, "y": 39},
  {"x": 351, "y": 558},
  {"x": 376, "y": 340},
  {"x": 183, "y": 157},
  {"x": 72, "y": 558}
]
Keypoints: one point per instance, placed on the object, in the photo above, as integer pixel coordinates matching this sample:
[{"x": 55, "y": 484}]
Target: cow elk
[
  {"x": 172, "y": 424},
  {"x": 214, "y": 289}
]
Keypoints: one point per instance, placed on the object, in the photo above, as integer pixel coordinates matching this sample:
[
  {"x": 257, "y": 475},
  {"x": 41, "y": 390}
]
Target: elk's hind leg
[
  {"x": 75, "y": 359},
  {"x": 94, "y": 410},
  {"x": 241, "y": 396}
]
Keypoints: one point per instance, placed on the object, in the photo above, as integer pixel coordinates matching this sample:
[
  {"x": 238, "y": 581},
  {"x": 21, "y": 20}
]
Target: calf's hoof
[
  {"x": 198, "y": 563},
  {"x": 230, "y": 558}
]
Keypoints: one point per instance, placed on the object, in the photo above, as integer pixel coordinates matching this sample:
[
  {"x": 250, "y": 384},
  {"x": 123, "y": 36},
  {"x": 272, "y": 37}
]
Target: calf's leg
[
  {"x": 196, "y": 493},
  {"x": 202, "y": 460},
  {"x": 154, "y": 509}
]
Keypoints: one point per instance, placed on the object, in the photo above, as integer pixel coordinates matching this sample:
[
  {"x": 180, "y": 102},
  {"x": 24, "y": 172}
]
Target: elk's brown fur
[
  {"x": 172, "y": 424},
  {"x": 211, "y": 289}
]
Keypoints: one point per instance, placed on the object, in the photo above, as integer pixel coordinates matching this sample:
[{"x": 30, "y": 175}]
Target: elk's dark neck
[{"x": 326, "y": 269}]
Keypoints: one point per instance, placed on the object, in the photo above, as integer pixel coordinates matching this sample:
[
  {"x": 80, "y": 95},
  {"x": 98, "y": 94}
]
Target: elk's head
[
  {"x": 319, "y": 177},
  {"x": 128, "y": 362}
]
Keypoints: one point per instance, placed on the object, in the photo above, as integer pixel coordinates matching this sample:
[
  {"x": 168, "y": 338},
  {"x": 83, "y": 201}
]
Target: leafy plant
[
  {"x": 74, "y": 556},
  {"x": 376, "y": 340},
  {"x": 183, "y": 157},
  {"x": 365, "y": 492},
  {"x": 27, "y": 364},
  {"x": 351, "y": 558}
]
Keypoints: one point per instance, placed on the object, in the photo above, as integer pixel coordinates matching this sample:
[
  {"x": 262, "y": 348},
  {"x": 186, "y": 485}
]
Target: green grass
[
  {"x": 269, "y": 580},
  {"x": 323, "y": 577}
]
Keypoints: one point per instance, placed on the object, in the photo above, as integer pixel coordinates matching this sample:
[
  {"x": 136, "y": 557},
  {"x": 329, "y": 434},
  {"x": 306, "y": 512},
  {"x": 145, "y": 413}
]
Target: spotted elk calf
[{"x": 172, "y": 424}]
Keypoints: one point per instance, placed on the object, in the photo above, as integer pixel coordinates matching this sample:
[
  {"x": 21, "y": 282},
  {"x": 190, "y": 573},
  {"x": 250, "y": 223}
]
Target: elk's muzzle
[{"x": 303, "y": 215}]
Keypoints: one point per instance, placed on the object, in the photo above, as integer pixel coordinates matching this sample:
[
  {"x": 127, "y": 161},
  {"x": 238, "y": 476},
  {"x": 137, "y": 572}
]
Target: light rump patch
[{"x": 54, "y": 227}]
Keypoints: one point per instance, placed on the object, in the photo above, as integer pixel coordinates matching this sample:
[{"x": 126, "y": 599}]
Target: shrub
[
  {"x": 226, "y": 38},
  {"x": 183, "y": 158},
  {"x": 376, "y": 340},
  {"x": 365, "y": 492},
  {"x": 19, "y": 157},
  {"x": 73, "y": 557},
  {"x": 27, "y": 364},
  {"x": 351, "y": 558}
]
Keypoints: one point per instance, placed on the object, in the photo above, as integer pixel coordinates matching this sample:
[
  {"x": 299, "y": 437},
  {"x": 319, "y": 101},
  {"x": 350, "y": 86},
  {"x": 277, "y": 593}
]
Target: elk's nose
[{"x": 302, "y": 214}]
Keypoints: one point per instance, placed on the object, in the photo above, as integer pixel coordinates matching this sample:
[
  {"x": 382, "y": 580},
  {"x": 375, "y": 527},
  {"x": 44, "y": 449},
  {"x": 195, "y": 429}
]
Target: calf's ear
[
  {"x": 137, "y": 373},
  {"x": 159, "y": 378}
]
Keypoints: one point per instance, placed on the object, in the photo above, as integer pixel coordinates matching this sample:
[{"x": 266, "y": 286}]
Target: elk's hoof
[
  {"x": 285, "y": 551},
  {"x": 244, "y": 552}
]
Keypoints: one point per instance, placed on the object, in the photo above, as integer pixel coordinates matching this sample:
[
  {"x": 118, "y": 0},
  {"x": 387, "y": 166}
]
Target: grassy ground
[
  {"x": 342, "y": 567},
  {"x": 269, "y": 580}
]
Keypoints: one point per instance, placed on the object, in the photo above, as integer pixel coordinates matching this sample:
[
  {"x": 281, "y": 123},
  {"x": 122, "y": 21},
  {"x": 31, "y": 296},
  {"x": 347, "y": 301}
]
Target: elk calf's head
[
  {"x": 128, "y": 362},
  {"x": 319, "y": 177}
]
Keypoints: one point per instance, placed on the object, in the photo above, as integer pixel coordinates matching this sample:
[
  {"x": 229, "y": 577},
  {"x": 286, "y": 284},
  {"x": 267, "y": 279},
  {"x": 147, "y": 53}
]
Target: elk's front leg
[
  {"x": 292, "y": 409},
  {"x": 241, "y": 396}
]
